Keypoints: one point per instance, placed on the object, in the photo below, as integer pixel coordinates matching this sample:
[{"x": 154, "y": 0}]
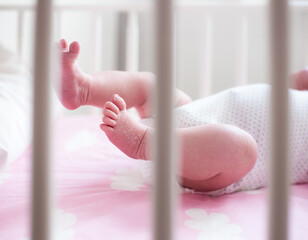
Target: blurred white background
[{"x": 190, "y": 41}]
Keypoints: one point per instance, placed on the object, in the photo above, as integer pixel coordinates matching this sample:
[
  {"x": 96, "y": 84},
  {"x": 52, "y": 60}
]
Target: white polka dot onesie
[{"x": 248, "y": 108}]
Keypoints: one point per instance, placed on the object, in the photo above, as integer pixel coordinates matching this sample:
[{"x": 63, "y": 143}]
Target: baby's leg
[
  {"x": 79, "y": 88},
  {"x": 215, "y": 156},
  {"x": 212, "y": 156}
]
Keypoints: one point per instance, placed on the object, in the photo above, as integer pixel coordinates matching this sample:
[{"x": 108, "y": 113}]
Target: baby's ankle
[
  {"x": 142, "y": 152},
  {"x": 86, "y": 85}
]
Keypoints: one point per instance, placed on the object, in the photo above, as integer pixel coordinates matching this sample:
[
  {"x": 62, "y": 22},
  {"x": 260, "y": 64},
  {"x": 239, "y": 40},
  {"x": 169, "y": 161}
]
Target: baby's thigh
[{"x": 215, "y": 155}]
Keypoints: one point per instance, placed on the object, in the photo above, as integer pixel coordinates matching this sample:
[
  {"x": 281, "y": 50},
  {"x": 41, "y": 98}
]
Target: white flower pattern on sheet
[
  {"x": 127, "y": 180},
  {"x": 62, "y": 225},
  {"x": 81, "y": 139},
  {"x": 213, "y": 226}
]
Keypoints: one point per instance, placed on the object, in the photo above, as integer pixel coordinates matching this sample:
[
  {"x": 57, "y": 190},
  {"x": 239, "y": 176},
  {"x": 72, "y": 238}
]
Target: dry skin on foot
[{"x": 122, "y": 130}]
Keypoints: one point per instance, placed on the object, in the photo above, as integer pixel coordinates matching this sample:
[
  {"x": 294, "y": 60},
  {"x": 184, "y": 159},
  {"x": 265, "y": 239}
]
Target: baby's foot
[
  {"x": 122, "y": 130},
  {"x": 301, "y": 80},
  {"x": 75, "y": 83}
]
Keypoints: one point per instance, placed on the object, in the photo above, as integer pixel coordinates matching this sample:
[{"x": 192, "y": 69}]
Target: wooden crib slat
[
  {"x": 163, "y": 185},
  {"x": 97, "y": 41},
  {"x": 242, "y": 51},
  {"x": 132, "y": 42},
  {"x": 58, "y": 24},
  {"x": 206, "y": 57},
  {"x": 41, "y": 200},
  {"x": 20, "y": 32},
  {"x": 278, "y": 184}
]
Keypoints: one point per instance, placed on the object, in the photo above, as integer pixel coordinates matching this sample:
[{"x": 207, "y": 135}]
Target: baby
[{"x": 224, "y": 138}]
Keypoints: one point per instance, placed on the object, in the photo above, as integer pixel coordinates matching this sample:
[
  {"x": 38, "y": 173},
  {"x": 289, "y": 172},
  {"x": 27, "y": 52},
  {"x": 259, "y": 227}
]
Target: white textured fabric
[
  {"x": 248, "y": 107},
  {"x": 16, "y": 107}
]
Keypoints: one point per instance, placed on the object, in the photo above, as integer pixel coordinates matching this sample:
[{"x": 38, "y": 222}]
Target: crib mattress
[{"x": 101, "y": 194}]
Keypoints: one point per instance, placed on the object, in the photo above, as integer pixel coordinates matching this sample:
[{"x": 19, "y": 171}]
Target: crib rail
[
  {"x": 182, "y": 5},
  {"x": 133, "y": 8},
  {"x": 278, "y": 203}
]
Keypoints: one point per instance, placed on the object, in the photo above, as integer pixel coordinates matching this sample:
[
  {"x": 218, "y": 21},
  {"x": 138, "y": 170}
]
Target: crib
[{"x": 163, "y": 197}]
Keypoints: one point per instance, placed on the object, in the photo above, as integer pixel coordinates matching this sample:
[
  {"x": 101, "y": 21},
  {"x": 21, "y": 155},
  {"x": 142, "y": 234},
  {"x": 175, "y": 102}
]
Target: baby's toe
[
  {"x": 109, "y": 113},
  {"x": 73, "y": 52},
  {"x": 119, "y": 102},
  {"x": 63, "y": 45},
  {"x": 74, "y": 48},
  {"x": 108, "y": 121},
  {"x": 112, "y": 107},
  {"x": 107, "y": 129}
]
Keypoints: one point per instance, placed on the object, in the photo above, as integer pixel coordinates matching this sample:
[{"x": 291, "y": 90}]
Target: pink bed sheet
[{"x": 101, "y": 194}]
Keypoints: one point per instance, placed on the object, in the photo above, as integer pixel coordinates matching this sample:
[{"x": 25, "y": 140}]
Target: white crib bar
[
  {"x": 20, "y": 32},
  {"x": 278, "y": 184},
  {"x": 58, "y": 24},
  {"x": 163, "y": 193},
  {"x": 41, "y": 200},
  {"x": 242, "y": 50},
  {"x": 132, "y": 42},
  {"x": 98, "y": 34},
  {"x": 206, "y": 57},
  {"x": 305, "y": 59}
]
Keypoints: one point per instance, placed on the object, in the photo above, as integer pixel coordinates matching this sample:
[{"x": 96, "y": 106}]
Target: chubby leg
[
  {"x": 79, "y": 88},
  {"x": 212, "y": 156}
]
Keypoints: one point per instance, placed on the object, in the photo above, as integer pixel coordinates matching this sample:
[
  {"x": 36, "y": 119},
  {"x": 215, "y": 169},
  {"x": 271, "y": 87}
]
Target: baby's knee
[
  {"x": 250, "y": 154},
  {"x": 240, "y": 151}
]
